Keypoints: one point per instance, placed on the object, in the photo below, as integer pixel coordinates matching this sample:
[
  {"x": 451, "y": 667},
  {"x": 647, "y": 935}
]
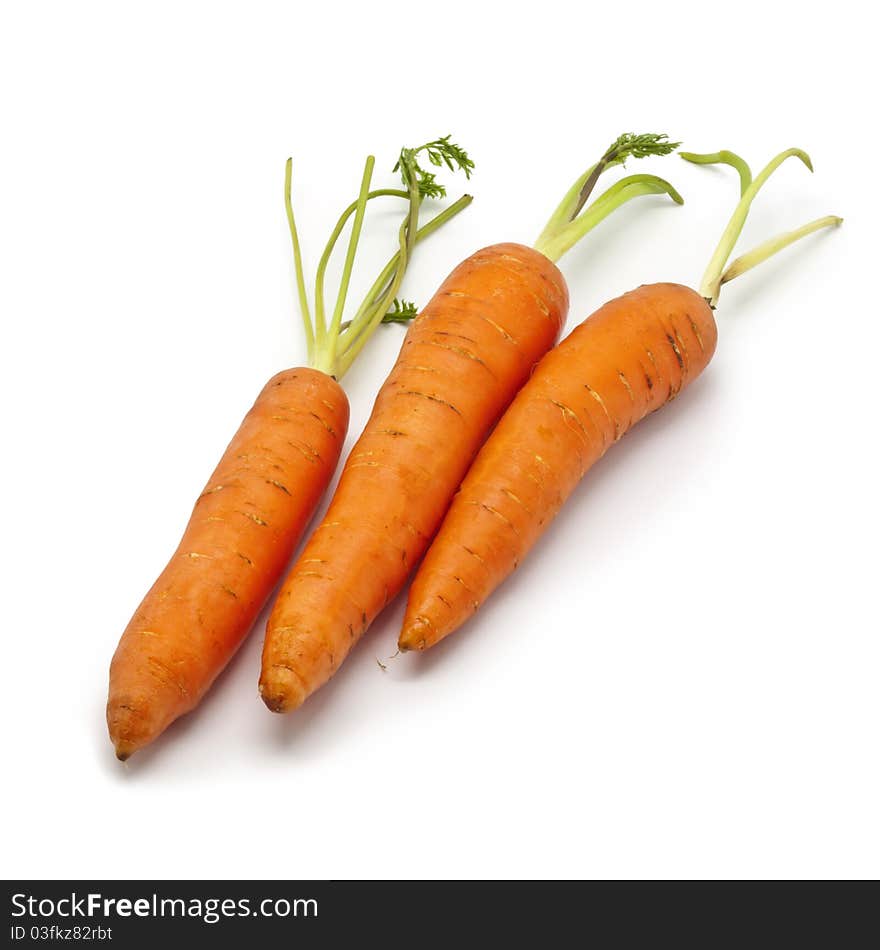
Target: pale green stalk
[
  {"x": 334, "y": 237},
  {"x": 569, "y": 222},
  {"x": 379, "y": 291},
  {"x": 370, "y": 319},
  {"x": 326, "y": 354},
  {"x": 328, "y": 343},
  {"x": 710, "y": 286},
  {"x": 723, "y": 158},
  {"x": 618, "y": 194},
  {"x": 297, "y": 261},
  {"x": 565, "y": 210},
  {"x": 774, "y": 245},
  {"x": 718, "y": 271}
]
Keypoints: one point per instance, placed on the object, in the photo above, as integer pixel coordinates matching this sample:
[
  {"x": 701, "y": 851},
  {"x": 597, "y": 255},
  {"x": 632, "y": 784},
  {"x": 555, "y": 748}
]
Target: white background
[{"x": 681, "y": 681}]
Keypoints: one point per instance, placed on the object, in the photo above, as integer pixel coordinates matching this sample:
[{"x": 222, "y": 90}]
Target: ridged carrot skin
[
  {"x": 462, "y": 361},
  {"x": 628, "y": 359},
  {"x": 239, "y": 539}
]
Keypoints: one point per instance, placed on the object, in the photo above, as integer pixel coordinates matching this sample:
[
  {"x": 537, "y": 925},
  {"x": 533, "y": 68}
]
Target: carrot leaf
[
  {"x": 440, "y": 152},
  {"x": 631, "y": 145},
  {"x": 628, "y": 145},
  {"x": 402, "y": 311},
  {"x": 570, "y": 222}
]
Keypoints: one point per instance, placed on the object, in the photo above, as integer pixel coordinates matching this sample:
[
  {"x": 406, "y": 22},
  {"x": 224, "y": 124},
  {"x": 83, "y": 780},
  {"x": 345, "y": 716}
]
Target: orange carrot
[
  {"x": 238, "y": 541},
  {"x": 462, "y": 361},
  {"x": 248, "y": 520},
  {"x": 629, "y": 358}
]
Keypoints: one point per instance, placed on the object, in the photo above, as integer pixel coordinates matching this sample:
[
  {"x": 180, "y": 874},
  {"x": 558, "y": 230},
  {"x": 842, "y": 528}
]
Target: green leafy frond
[
  {"x": 632, "y": 145},
  {"x": 440, "y": 152},
  {"x": 443, "y": 152},
  {"x": 402, "y": 311}
]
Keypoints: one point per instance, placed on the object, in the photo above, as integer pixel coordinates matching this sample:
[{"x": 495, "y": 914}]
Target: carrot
[
  {"x": 462, "y": 361},
  {"x": 238, "y": 541},
  {"x": 628, "y": 359},
  {"x": 251, "y": 514}
]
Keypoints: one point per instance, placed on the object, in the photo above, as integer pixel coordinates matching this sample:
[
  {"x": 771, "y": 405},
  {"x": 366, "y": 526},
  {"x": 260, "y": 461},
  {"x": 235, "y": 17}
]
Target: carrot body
[
  {"x": 632, "y": 356},
  {"x": 461, "y": 363},
  {"x": 241, "y": 534}
]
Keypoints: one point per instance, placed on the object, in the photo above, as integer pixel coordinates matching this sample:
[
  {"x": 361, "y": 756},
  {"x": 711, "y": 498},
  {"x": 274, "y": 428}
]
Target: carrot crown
[
  {"x": 572, "y": 219},
  {"x": 719, "y": 272},
  {"x": 333, "y": 343}
]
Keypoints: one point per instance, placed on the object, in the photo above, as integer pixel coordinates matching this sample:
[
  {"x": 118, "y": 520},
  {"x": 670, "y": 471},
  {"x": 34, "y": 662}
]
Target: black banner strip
[{"x": 170, "y": 914}]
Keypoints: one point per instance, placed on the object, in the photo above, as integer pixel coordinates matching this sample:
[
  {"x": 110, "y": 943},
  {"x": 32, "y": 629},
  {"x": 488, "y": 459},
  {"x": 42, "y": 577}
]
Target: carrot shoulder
[
  {"x": 238, "y": 541},
  {"x": 628, "y": 359}
]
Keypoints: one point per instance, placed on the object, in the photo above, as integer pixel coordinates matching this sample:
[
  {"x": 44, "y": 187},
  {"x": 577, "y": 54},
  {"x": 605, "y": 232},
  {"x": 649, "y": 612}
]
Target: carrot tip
[
  {"x": 412, "y": 638},
  {"x": 128, "y": 728},
  {"x": 123, "y": 745},
  {"x": 281, "y": 689}
]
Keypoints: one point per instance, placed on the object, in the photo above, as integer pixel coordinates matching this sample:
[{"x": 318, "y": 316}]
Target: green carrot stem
[
  {"x": 326, "y": 356},
  {"x": 334, "y": 237},
  {"x": 723, "y": 158},
  {"x": 774, "y": 245},
  {"x": 297, "y": 261},
  {"x": 358, "y": 331},
  {"x": 617, "y": 195},
  {"x": 327, "y": 343},
  {"x": 373, "y": 316},
  {"x": 379, "y": 288},
  {"x": 569, "y": 222},
  {"x": 565, "y": 210},
  {"x": 377, "y": 298},
  {"x": 419, "y": 184},
  {"x": 710, "y": 286}
]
